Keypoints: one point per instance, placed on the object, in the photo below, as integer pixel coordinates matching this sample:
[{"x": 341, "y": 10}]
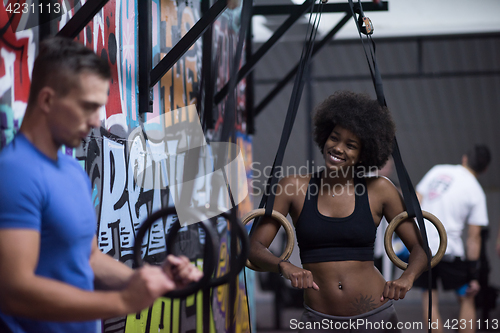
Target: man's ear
[{"x": 45, "y": 99}]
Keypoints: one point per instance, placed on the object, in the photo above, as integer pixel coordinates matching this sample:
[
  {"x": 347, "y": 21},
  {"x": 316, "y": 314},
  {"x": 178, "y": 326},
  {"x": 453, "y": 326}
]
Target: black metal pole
[
  {"x": 44, "y": 18},
  {"x": 145, "y": 56},
  {"x": 206, "y": 73},
  {"x": 327, "y": 8},
  {"x": 82, "y": 17}
]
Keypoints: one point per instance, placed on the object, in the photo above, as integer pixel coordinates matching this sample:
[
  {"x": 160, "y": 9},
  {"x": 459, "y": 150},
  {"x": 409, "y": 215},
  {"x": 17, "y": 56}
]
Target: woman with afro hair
[{"x": 336, "y": 213}]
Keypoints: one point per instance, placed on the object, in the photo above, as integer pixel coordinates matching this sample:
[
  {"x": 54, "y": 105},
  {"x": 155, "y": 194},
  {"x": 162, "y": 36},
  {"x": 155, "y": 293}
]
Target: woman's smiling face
[{"x": 342, "y": 148}]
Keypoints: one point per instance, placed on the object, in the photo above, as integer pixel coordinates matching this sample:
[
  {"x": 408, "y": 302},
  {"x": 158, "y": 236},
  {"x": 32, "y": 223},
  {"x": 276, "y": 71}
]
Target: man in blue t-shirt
[{"x": 49, "y": 259}]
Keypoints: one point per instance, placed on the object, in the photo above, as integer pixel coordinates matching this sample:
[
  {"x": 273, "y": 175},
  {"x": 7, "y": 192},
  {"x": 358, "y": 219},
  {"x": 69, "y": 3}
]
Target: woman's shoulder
[
  {"x": 296, "y": 179},
  {"x": 294, "y": 185},
  {"x": 379, "y": 184}
]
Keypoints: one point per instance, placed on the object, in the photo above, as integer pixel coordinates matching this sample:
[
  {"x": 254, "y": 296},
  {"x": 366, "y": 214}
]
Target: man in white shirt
[{"x": 453, "y": 194}]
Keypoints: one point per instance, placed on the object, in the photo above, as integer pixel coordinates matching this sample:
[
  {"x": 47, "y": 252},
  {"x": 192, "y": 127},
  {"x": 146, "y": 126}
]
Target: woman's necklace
[{"x": 343, "y": 188}]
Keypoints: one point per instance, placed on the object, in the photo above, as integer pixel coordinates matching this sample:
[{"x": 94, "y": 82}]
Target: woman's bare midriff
[{"x": 361, "y": 287}]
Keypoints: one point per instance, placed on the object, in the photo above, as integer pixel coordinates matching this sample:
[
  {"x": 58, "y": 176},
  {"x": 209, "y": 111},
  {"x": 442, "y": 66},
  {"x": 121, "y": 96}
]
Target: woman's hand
[
  {"x": 300, "y": 278},
  {"x": 396, "y": 289}
]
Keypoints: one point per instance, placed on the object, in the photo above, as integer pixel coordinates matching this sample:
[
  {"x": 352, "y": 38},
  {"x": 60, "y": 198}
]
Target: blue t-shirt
[{"x": 52, "y": 197}]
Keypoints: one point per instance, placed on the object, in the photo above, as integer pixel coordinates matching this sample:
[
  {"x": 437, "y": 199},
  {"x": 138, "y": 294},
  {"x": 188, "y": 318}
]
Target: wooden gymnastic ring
[
  {"x": 443, "y": 240},
  {"x": 290, "y": 235}
]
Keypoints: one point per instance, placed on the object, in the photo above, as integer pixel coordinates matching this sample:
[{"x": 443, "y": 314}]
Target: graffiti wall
[
  {"x": 17, "y": 51},
  {"x": 113, "y": 154}
]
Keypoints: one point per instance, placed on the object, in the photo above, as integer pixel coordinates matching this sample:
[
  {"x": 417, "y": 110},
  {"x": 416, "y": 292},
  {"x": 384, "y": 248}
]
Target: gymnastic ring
[
  {"x": 242, "y": 257},
  {"x": 210, "y": 253},
  {"x": 290, "y": 235},
  {"x": 443, "y": 240}
]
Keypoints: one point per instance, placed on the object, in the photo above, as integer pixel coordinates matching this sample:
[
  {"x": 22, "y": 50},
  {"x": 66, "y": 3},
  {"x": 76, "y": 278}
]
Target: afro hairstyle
[{"x": 364, "y": 117}]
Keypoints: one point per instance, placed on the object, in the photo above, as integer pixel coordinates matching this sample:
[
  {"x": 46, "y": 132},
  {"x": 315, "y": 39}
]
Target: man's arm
[
  {"x": 473, "y": 242},
  {"x": 25, "y": 294},
  {"x": 109, "y": 274},
  {"x": 473, "y": 249}
]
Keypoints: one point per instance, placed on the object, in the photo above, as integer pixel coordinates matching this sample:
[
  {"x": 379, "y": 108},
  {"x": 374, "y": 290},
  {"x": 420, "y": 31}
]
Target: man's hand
[
  {"x": 150, "y": 282},
  {"x": 473, "y": 289},
  {"x": 181, "y": 271},
  {"x": 144, "y": 287}
]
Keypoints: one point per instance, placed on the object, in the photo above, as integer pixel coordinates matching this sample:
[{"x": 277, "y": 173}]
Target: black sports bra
[{"x": 321, "y": 238}]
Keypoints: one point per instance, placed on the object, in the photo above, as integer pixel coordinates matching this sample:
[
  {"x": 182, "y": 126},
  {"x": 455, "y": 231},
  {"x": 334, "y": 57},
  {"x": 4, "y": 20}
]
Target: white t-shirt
[{"x": 456, "y": 198}]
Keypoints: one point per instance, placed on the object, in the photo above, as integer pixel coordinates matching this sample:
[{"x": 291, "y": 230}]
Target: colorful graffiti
[
  {"x": 112, "y": 35},
  {"x": 225, "y": 37},
  {"x": 121, "y": 206},
  {"x": 112, "y": 156},
  {"x": 17, "y": 50},
  {"x": 179, "y": 86}
]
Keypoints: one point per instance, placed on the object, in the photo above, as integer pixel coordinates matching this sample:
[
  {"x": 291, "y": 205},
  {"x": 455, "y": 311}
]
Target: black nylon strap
[
  {"x": 409, "y": 195},
  {"x": 293, "y": 107},
  {"x": 271, "y": 183},
  {"x": 206, "y": 308}
]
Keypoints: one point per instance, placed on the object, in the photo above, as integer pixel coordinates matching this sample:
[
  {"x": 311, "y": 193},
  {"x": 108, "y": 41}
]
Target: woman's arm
[
  {"x": 393, "y": 205},
  {"x": 266, "y": 231}
]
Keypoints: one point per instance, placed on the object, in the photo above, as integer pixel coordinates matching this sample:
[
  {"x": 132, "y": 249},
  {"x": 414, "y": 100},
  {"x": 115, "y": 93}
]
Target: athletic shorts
[
  {"x": 453, "y": 275},
  {"x": 381, "y": 319}
]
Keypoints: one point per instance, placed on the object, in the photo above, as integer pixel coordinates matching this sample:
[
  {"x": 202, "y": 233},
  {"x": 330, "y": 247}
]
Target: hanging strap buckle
[{"x": 365, "y": 25}]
